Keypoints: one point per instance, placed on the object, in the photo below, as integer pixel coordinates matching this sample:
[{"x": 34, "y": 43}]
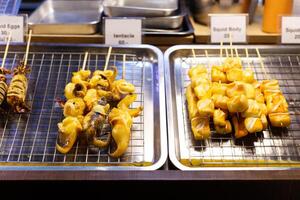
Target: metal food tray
[
  {"x": 66, "y": 17},
  {"x": 168, "y": 22},
  {"x": 10, "y": 7},
  {"x": 275, "y": 148},
  {"x": 27, "y": 141},
  {"x": 184, "y": 30},
  {"x": 141, "y": 8}
]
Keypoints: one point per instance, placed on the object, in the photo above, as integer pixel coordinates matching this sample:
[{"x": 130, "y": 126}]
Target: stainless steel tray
[
  {"x": 66, "y": 17},
  {"x": 10, "y": 7},
  {"x": 273, "y": 149},
  {"x": 27, "y": 141},
  {"x": 185, "y": 29},
  {"x": 169, "y": 22},
  {"x": 141, "y": 8}
]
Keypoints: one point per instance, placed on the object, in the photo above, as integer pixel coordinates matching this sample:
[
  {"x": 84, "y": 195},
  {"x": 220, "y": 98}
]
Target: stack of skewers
[
  {"x": 92, "y": 102},
  {"x": 233, "y": 95}
]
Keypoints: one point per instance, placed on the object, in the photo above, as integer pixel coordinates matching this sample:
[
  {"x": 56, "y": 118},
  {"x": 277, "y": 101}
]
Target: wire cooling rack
[
  {"x": 272, "y": 146},
  {"x": 30, "y": 138}
]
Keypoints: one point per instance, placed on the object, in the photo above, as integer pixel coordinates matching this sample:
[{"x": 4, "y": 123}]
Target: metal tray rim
[
  {"x": 163, "y": 126},
  {"x": 170, "y": 111}
]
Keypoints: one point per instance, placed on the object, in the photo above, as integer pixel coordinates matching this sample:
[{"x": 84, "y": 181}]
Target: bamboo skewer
[
  {"x": 27, "y": 48},
  {"x": 230, "y": 42},
  {"x": 262, "y": 64},
  {"x": 123, "y": 67},
  {"x": 247, "y": 56},
  {"x": 107, "y": 58},
  {"x": 221, "y": 50},
  {"x": 6, "y": 51},
  {"x": 85, "y": 60},
  {"x": 194, "y": 56}
]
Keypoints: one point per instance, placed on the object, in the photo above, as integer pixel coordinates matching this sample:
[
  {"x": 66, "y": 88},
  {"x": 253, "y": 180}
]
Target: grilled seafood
[
  {"x": 120, "y": 88},
  {"x": 74, "y": 107},
  {"x": 73, "y": 90},
  {"x": 3, "y": 84},
  {"x": 91, "y": 98},
  {"x": 68, "y": 131},
  {"x": 81, "y": 76},
  {"x": 93, "y": 123},
  {"x": 224, "y": 129},
  {"x": 239, "y": 127},
  {"x": 17, "y": 90},
  {"x": 200, "y": 128},
  {"x": 121, "y": 121}
]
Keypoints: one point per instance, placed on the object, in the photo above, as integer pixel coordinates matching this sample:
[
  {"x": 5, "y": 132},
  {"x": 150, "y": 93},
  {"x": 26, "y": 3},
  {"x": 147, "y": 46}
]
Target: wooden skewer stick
[
  {"x": 194, "y": 56},
  {"x": 84, "y": 60},
  {"x": 262, "y": 64},
  {"x": 236, "y": 53},
  {"x": 247, "y": 56},
  {"x": 221, "y": 52},
  {"x": 27, "y": 48},
  {"x": 206, "y": 54},
  {"x": 123, "y": 68},
  {"x": 6, "y": 51},
  {"x": 231, "y": 48},
  {"x": 226, "y": 51},
  {"x": 107, "y": 58}
]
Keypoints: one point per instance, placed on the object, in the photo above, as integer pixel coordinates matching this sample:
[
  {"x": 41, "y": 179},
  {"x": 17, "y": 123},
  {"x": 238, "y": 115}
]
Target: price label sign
[
  {"x": 290, "y": 30},
  {"x": 223, "y": 26},
  {"x": 13, "y": 25},
  {"x": 119, "y": 31}
]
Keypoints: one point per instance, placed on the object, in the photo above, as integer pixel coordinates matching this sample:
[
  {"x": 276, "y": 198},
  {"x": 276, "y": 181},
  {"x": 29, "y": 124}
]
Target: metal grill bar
[
  {"x": 31, "y": 137},
  {"x": 271, "y": 146}
]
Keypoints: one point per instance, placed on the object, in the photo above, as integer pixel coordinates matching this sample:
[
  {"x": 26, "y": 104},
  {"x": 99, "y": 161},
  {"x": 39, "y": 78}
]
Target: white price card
[
  {"x": 290, "y": 30},
  {"x": 120, "y": 31},
  {"x": 13, "y": 25},
  {"x": 224, "y": 25}
]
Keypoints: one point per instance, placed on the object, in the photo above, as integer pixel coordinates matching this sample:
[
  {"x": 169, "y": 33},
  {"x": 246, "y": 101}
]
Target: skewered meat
[
  {"x": 220, "y": 101},
  {"x": 239, "y": 127},
  {"x": 203, "y": 90},
  {"x": 276, "y": 103},
  {"x": 73, "y": 90},
  {"x": 280, "y": 119},
  {"x": 191, "y": 102},
  {"x": 237, "y": 104},
  {"x": 3, "y": 84},
  {"x": 270, "y": 85},
  {"x": 81, "y": 76},
  {"x": 121, "y": 88},
  {"x": 253, "y": 124},
  {"x": 91, "y": 98},
  {"x": 218, "y": 88},
  {"x": 103, "y": 79},
  {"x": 17, "y": 89},
  {"x": 197, "y": 71},
  {"x": 230, "y": 63},
  {"x": 234, "y": 74},
  {"x": 248, "y": 76},
  {"x": 68, "y": 131},
  {"x": 238, "y": 88},
  {"x": 205, "y": 107},
  {"x": 74, "y": 107},
  {"x": 120, "y": 119},
  {"x": 253, "y": 110},
  {"x": 203, "y": 79},
  {"x": 200, "y": 128},
  {"x": 93, "y": 123},
  {"x": 264, "y": 121},
  {"x": 217, "y": 75},
  {"x": 219, "y": 118},
  {"x": 224, "y": 129}
]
